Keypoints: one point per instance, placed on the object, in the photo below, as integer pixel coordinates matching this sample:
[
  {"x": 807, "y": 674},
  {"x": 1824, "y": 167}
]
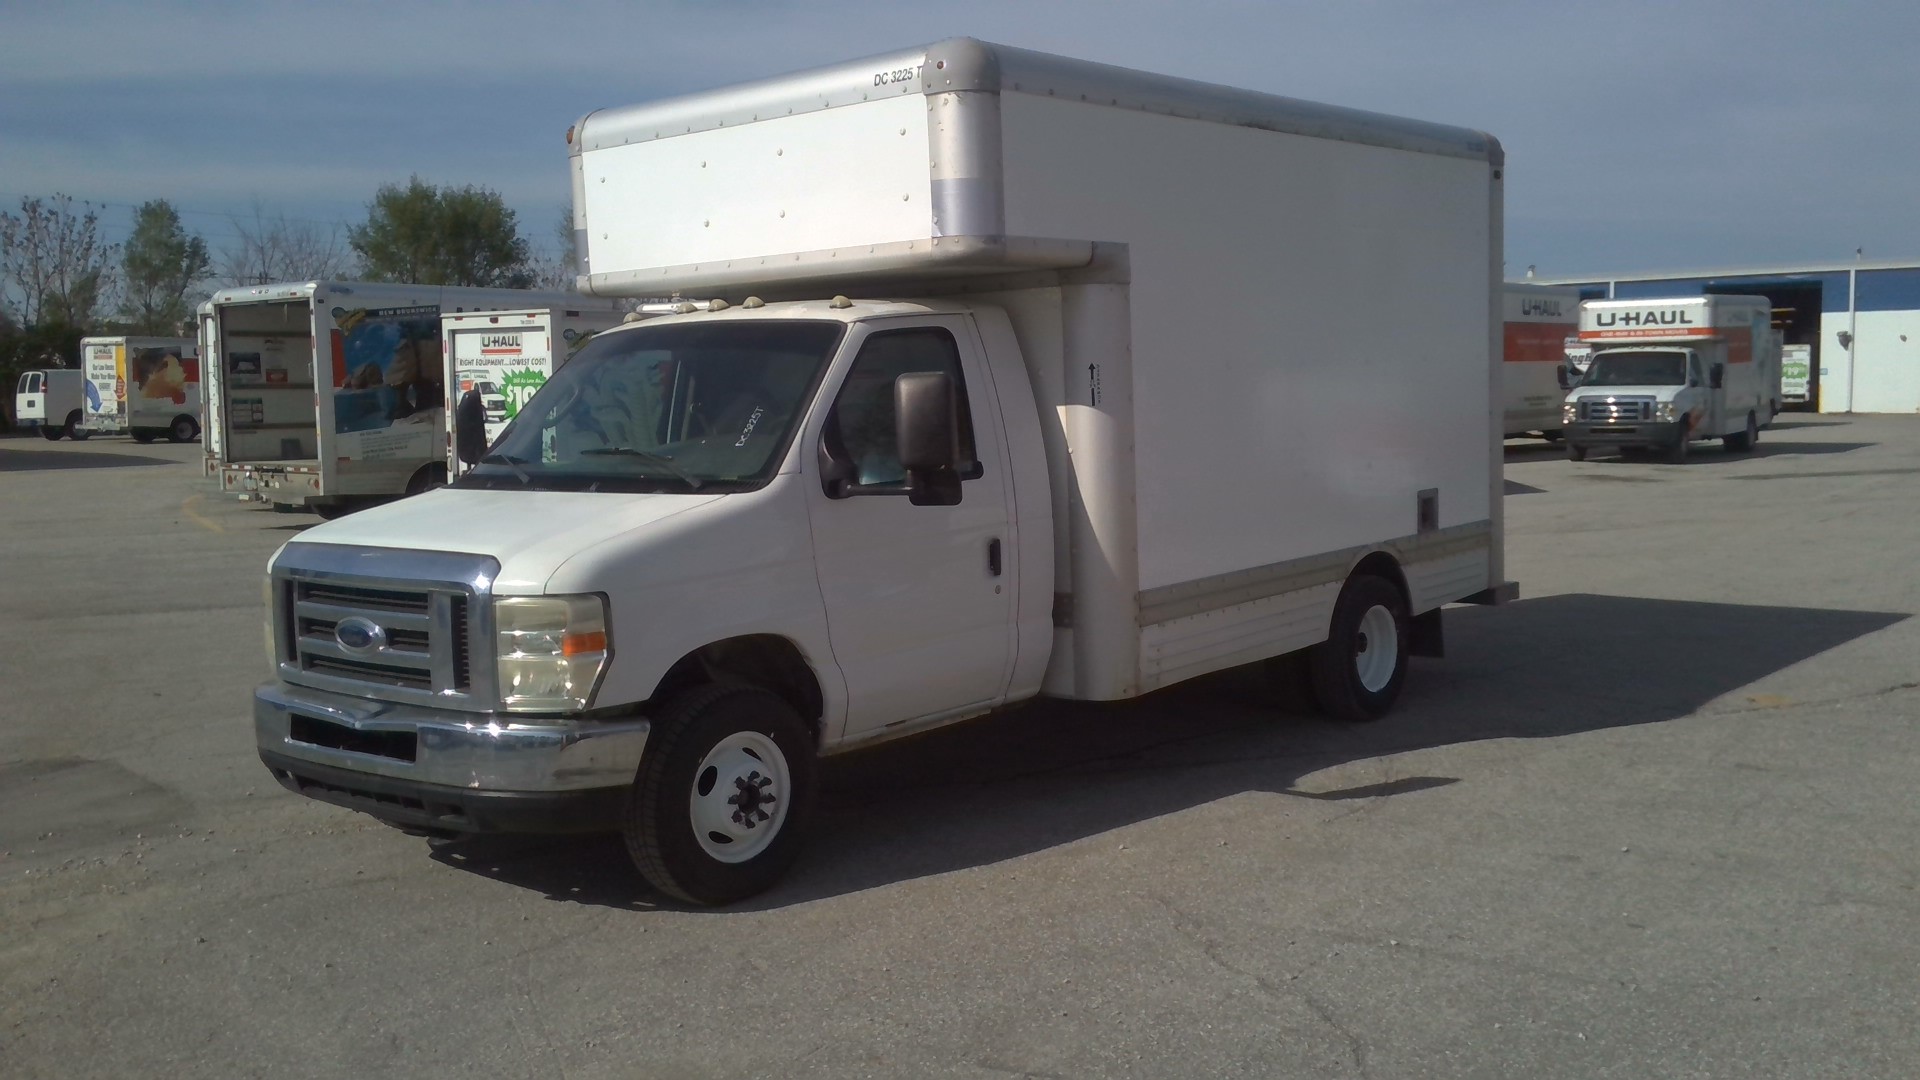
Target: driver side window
[
  {"x": 1694, "y": 376},
  {"x": 861, "y": 429}
]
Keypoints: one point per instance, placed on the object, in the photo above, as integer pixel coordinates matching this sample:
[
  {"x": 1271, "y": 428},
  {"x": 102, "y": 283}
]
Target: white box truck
[
  {"x": 52, "y": 400},
  {"x": 1538, "y": 319},
  {"x": 143, "y": 386},
  {"x": 1670, "y": 372},
  {"x": 327, "y": 394},
  {"x": 1796, "y": 374},
  {"x": 1020, "y": 376},
  {"x": 502, "y": 357}
]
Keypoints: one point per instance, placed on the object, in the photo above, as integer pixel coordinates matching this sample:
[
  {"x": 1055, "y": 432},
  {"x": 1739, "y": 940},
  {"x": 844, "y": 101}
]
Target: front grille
[
  {"x": 419, "y": 638},
  {"x": 1616, "y": 410}
]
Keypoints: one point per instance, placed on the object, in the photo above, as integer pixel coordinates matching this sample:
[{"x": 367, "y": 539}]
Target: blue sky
[{"x": 1640, "y": 135}]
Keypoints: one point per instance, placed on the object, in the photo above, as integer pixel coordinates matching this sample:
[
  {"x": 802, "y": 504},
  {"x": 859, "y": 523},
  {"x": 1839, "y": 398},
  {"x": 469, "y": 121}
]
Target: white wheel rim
[
  {"x": 740, "y": 795},
  {"x": 1376, "y": 649}
]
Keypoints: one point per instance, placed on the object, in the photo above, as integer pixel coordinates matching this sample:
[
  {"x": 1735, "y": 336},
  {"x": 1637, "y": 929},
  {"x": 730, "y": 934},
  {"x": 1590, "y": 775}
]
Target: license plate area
[{"x": 392, "y": 745}]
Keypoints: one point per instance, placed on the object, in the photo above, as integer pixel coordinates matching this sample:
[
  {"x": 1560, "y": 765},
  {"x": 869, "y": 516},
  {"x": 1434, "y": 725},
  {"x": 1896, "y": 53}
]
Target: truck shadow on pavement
[
  {"x": 1053, "y": 773},
  {"x": 15, "y": 460}
]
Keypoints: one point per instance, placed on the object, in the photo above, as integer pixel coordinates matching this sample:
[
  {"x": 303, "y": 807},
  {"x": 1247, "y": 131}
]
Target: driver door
[{"x": 919, "y": 599}]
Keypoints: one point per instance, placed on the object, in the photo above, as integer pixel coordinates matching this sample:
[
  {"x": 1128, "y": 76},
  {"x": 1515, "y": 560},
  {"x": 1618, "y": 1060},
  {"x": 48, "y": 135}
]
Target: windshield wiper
[
  {"x": 661, "y": 460},
  {"x": 510, "y": 462}
]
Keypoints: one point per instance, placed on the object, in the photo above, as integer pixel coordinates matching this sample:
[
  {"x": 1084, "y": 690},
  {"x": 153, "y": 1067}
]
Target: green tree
[
  {"x": 54, "y": 268},
  {"x": 160, "y": 265},
  {"x": 430, "y": 235}
]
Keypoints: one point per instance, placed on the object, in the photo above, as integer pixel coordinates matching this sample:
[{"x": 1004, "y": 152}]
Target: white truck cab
[
  {"x": 1667, "y": 373},
  {"x": 979, "y": 403}
]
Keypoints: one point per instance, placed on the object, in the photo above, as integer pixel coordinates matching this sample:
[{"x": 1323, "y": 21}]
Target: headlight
[
  {"x": 1569, "y": 412},
  {"x": 1663, "y": 412},
  {"x": 550, "y": 651}
]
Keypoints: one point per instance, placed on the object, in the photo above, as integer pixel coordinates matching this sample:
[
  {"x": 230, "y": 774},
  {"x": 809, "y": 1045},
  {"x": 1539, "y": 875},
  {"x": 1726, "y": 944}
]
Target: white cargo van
[
  {"x": 1538, "y": 320},
  {"x": 327, "y": 394},
  {"x": 1667, "y": 373},
  {"x": 1021, "y": 376},
  {"x": 52, "y": 400},
  {"x": 502, "y": 357}
]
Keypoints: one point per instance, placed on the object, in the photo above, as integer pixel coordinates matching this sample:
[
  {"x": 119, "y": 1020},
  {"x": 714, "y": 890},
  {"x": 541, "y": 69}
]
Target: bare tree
[
  {"x": 280, "y": 248},
  {"x": 54, "y": 267},
  {"x": 559, "y": 273}
]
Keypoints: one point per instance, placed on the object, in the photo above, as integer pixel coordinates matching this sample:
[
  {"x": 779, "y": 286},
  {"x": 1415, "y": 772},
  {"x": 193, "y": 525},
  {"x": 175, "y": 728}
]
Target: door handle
[{"x": 993, "y": 556}]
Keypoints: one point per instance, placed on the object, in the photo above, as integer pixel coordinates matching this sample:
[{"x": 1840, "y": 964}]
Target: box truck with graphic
[
  {"x": 1668, "y": 373},
  {"x": 1796, "y": 374},
  {"x": 52, "y": 401},
  {"x": 328, "y": 394},
  {"x": 1021, "y": 376},
  {"x": 143, "y": 386},
  {"x": 501, "y": 358},
  {"x": 1537, "y": 319}
]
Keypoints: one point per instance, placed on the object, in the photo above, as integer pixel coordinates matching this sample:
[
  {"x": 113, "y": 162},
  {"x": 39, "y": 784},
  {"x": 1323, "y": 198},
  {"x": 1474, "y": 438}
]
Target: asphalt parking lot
[{"x": 1656, "y": 819}]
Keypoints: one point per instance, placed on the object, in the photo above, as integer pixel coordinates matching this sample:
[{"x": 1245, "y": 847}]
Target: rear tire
[
  {"x": 329, "y": 510},
  {"x": 688, "y": 829},
  {"x": 1359, "y": 669},
  {"x": 74, "y": 430},
  {"x": 183, "y": 429},
  {"x": 1743, "y": 443}
]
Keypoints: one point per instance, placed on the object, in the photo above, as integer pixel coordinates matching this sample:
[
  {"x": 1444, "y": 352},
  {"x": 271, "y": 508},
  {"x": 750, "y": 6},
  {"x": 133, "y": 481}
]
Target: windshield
[
  {"x": 681, "y": 407},
  {"x": 1637, "y": 369}
]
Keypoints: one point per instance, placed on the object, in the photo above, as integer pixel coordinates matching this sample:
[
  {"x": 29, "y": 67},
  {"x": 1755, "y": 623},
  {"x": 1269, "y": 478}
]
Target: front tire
[
  {"x": 1576, "y": 453},
  {"x": 723, "y": 795},
  {"x": 1677, "y": 453},
  {"x": 1359, "y": 669}
]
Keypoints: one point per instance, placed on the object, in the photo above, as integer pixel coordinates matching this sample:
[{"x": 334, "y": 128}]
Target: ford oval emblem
[{"x": 360, "y": 635}]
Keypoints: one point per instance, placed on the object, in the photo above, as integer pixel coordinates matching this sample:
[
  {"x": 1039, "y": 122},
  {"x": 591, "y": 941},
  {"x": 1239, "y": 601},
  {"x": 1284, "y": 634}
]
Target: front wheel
[
  {"x": 1358, "y": 670},
  {"x": 1677, "y": 453},
  {"x": 1576, "y": 453},
  {"x": 722, "y": 796}
]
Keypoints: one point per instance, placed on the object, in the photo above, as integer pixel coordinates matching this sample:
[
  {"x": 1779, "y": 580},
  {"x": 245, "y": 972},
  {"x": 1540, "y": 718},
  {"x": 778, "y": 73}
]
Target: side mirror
[
  {"x": 470, "y": 428},
  {"x": 927, "y": 435},
  {"x": 1716, "y": 375},
  {"x": 1566, "y": 377}
]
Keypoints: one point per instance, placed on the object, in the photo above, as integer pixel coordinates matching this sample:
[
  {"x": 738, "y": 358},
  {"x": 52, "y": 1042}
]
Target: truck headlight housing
[
  {"x": 1663, "y": 412},
  {"x": 1569, "y": 412},
  {"x": 549, "y": 651}
]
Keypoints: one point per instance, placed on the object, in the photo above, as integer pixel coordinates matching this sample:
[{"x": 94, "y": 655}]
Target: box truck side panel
[
  {"x": 838, "y": 178},
  {"x": 104, "y": 363},
  {"x": 1536, "y": 322},
  {"x": 163, "y": 382},
  {"x": 1279, "y": 416},
  {"x": 267, "y": 382}
]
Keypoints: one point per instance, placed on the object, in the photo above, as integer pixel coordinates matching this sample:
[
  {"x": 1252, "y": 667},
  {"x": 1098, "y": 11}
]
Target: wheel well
[
  {"x": 764, "y": 660},
  {"x": 1382, "y": 565}
]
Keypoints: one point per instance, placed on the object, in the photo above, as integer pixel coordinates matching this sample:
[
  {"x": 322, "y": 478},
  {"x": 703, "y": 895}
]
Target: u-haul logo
[
  {"x": 1541, "y": 306},
  {"x": 499, "y": 344},
  {"x": 1652, "y": 317}
]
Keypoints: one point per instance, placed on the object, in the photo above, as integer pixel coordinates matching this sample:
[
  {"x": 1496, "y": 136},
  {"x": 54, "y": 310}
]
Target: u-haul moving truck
[
  {"x": 504, "y": 357},
  {"x": 1538, "y": 319},
  {"x": 143, "y": 386},
  {"x": 1668, "y": 373},
  {"x": 328, "y": 394},
  {"x": 1020, "y": 375}
]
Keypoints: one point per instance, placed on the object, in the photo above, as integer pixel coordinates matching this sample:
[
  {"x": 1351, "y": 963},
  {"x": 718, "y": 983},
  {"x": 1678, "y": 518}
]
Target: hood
[{"x": 531, "y": 533}]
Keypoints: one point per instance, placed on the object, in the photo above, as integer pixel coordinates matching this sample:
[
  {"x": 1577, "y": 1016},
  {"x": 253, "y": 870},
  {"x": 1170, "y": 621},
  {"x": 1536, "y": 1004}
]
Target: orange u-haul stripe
[
  {"x": 1528, "y": 342},
  {"x": 1650, "y": 332}
]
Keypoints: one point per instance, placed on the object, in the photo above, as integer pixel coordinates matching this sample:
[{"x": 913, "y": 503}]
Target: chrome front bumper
[{"x": 441, "y": 769}]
